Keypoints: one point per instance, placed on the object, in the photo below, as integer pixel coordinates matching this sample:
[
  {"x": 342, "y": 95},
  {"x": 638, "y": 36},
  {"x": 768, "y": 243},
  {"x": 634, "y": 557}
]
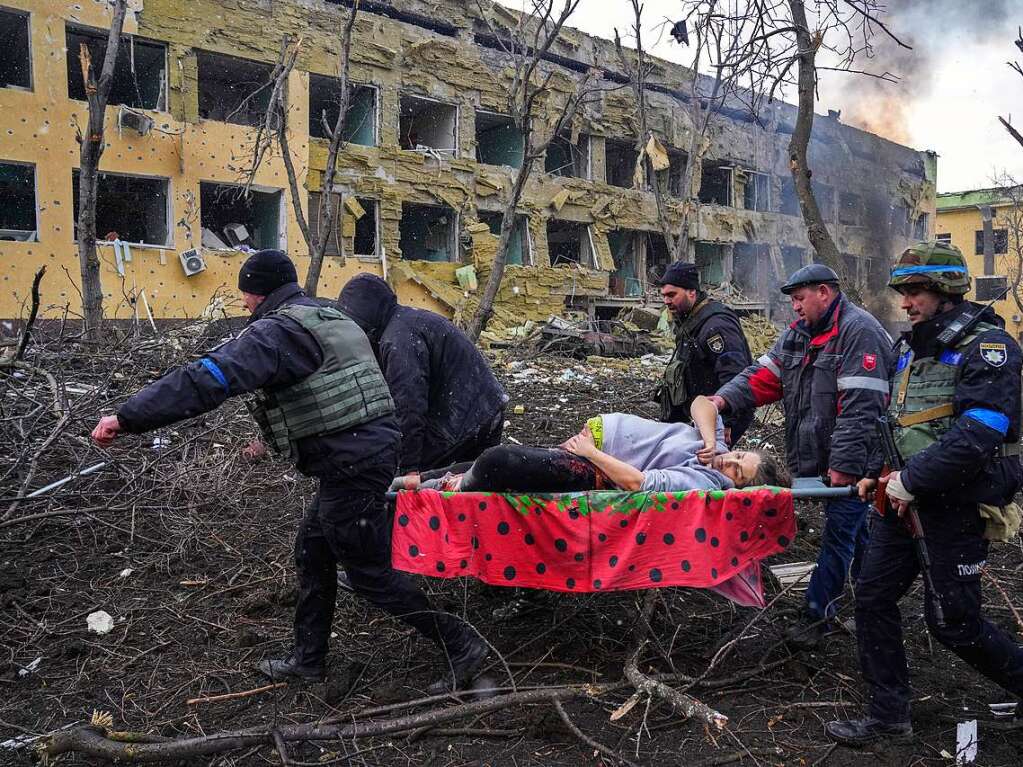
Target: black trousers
[
  {"x": 958, "y": 551},
  {"x": 518, "y": 468},
  {"x": 347, "y": 523}
]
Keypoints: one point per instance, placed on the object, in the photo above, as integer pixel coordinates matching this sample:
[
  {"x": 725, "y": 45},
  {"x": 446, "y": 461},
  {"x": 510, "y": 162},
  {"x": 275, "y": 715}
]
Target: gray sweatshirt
[{"x": 664, "y": 452}]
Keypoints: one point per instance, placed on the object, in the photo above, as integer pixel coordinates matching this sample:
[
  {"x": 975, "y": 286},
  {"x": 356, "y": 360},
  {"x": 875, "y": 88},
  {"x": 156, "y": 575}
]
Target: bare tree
[
  {"x": 1010, "y": 190},
  {"x": 274, "y": 131},
  {"x": 538, "y": 112},
  {"x": 724, "y": 38},
  {"x": 92, "y": 145},
  {"x": 1018, "y": 69}
]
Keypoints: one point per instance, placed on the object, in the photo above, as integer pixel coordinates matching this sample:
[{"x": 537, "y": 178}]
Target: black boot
[
  {"x": 290, "y": 668},
  {"x": 807, "y": 634},
  {"x": 465, "y": 665},
  {"x": 865, "y": 732}
]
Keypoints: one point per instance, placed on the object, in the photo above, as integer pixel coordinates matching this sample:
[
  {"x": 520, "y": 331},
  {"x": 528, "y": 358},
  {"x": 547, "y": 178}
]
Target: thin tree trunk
[
  {"x": 816, "y": 231},
  {"x": 92, "y": 146},
  {"x": 325, "y": 218}
]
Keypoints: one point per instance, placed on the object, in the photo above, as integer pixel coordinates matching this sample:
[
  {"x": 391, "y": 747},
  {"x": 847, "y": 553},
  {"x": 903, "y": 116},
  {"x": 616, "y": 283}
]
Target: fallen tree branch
[
  {"x": 26, "y": 333},
  {"x": 94, "y": 741},
  {"x": 235, "y": 695},
  {"x": 595, "y": 745}
]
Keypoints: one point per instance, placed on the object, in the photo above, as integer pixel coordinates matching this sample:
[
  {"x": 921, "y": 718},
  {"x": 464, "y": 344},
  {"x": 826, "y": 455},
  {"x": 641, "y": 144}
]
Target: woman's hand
[{"x": 706, "y": 453}]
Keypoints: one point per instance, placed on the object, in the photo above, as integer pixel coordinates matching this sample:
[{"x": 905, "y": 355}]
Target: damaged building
[{"x": 429, "y": 160}]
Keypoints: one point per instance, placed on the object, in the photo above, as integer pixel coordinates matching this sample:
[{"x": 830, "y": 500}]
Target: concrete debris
[{"x": 100, "y": 622}]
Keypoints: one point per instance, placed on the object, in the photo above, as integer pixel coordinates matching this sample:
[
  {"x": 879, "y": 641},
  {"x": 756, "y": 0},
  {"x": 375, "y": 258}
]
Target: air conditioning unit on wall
[
  {"x": 192, "y": 262},
  {"x": 137, "y": 121}
]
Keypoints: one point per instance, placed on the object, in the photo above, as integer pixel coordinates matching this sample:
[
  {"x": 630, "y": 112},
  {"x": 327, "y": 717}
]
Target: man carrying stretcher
[{"x": 618, "y": 451}]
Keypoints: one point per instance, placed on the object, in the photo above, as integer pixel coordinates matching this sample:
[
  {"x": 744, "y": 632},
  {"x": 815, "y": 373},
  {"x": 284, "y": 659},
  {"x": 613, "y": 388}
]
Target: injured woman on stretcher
[{"x": 616, "y": 451}]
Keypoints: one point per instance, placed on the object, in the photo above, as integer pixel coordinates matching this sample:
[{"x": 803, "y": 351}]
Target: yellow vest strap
[{"x": 930, "y": 414}]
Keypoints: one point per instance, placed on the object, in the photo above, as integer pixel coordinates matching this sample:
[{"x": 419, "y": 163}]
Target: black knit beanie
[
  {"x": 265, "y": 271},
  {"x": 682, "y": 275}
]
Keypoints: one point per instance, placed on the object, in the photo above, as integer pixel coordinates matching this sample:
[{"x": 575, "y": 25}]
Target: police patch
[
  {"x": 993, "y": 354},
  {"x": 869, "y": 361},
  {"x": 717, "y": 344}
]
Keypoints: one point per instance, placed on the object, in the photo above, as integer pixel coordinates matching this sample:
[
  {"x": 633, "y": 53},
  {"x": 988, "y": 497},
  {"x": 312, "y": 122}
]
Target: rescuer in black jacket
[
  {"x": 450, "y": 406},
  {"x": 955, "y": 409},
  {"x": 710, "y": 350},
  {"x": 322, "y": 400}
]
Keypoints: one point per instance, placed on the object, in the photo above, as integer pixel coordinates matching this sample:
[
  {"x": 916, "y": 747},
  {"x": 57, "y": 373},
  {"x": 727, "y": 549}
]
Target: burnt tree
[{"x": 91, "y": 150}]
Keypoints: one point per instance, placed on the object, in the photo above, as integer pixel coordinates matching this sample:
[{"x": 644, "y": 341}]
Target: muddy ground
[{"x": 189, "y": 549}]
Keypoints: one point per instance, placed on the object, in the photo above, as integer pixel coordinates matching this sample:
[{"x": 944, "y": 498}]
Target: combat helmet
[{"x": 937, "y": 266}]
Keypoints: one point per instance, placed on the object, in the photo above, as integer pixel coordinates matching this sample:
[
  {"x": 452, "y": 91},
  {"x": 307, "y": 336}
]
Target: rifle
[{"x": 894, "y": 462}]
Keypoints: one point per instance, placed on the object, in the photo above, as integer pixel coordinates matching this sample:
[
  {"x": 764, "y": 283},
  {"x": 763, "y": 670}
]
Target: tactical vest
[
  {"x": 674, "y": 389},
  {"x": 347, "y": 389},
  {"x": 922, "y": 394}
]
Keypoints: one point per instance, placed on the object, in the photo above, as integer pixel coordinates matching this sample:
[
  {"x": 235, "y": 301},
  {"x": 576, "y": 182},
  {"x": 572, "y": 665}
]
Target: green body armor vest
[
  {"x": 348, "y": 389},
  {"x": 922, "y": 394}
]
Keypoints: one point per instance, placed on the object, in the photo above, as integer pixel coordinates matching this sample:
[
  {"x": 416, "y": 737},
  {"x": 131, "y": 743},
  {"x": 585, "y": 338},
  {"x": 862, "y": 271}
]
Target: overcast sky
[{"x": 955, "y": 81}]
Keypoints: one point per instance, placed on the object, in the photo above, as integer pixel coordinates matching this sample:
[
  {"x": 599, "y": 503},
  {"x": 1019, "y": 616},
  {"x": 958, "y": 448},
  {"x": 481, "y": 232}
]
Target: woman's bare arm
[
  {"x": 622, "y": 474},
  {"x": 705, "y": 418}
]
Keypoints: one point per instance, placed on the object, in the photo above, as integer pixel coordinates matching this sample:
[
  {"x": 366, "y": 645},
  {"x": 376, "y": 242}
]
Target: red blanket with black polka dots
[{"x": 596, "y": 541}]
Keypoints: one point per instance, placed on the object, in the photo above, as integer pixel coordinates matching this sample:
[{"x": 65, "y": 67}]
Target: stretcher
[{"x": 601, "y": 540}]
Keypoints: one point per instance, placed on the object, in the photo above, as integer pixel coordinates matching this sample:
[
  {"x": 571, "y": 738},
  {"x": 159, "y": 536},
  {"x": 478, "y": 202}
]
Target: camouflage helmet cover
[{"x": 935, "y": 266}]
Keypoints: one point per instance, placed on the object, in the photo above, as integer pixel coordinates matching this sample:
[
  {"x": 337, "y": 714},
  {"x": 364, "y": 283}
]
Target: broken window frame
[
  {"x": 452, "y": 236},
  {"x": 587, "y": 253},
  {"x": 446, "y": 151},
  {"x": 508, "y": 122},
  {"x": 677, "y": 161},
  {"x": 316, "y": 120},
  {"x": 368, "y": 204},
  {"x": 626, "y": 147},
  {"x": 492, "y": 217},
  {"x": 787, "y": 252},
  {"x": 258, "y": 96},
  {"x": 638, "y": 259},
  {"x": 26, "y": 19},
  {"x": 127, "y": 50},
  {"x": 704, "y": 261},
  {"x": 999, "y": 242},
  {"x": 12, "y": 234},
  {"x": 788, "y": 205},
  {"x": 945, "y": 237},
  {"x": 704, "y": 194},
  {"x": 752, "y": 283},
  {"x": 281, "y": 239},
  {"x": 920, "y": 226},
  {"x": 131, "y": 212},
  {"x": 334, "y": 241},
  {"x": 760, "y": 184},
  {"x": 658, "y": 258},
  {"x": 579, "y": 154}
]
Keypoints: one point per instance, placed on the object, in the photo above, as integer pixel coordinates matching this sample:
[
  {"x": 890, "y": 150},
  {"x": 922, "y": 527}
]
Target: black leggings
[{"x": 516, "y": 468}]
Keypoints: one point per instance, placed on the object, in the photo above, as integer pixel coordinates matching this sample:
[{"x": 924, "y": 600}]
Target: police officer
[
  {"x": 830, "y": 369},
  {"x": 956, "y": 406},
  {"x": 710, "y": 350},
  {"x": 321, "y": 401}
]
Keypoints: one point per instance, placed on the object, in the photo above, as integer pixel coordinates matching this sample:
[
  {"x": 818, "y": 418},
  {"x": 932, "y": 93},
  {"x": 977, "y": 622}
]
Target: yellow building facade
[
  {"x": 959, "y": 221},
  {"x": 431, "y": 168}
]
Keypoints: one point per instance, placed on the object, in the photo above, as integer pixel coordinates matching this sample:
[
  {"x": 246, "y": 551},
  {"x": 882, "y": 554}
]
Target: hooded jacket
[
  {"x": 273, "y": 352},
  {"x": 443, "y": 389}
]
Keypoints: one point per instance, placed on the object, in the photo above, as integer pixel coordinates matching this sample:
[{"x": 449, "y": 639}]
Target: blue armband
[
  {"x": 217, "y": 373},
  {"x": 990, "y": 418}
]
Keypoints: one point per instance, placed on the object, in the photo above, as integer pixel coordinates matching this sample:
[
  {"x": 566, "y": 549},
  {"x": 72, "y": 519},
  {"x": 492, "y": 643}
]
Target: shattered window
[
  {"x": 17, "y": 202},
  {"x": 367, "y": 228},
  {"x": 789, "y": 198},
  {"x": 427, "y": 123},
  {"x": 620, "y": 162},
  {"x": 750, "y": 269},
  {"x": 134, "y": 209},
  {"x": 793, "y": 259},
  {"x": 676, "y": 172},
  {"x": 850, "y": 208},
  {"x": 498, "y": 141},
  {"x": 999, "y": 241},
  {"x": 568, "y": 242},
  {"x": 716, "y": 187},
  {"x": 140, "y": 74},
  {"x": 519, "y": 251},
  {"x": 825, "y": 196},
  {"x": 360, "y": 125},
  {"x": 921, "y": 226},
  {"x": 710, "y": 262},
  {"x": 231, "y": 218},
  {"x": 16, "y": 61},
  {"x": 626, "y": 246},
  {"x": 233, "y": 90},
  {"x": 428, "y": 233},
  {"x": 757, "y": 192},
  {"x": 567, "y": 159},
  {"x": 657, "y": 257}
]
